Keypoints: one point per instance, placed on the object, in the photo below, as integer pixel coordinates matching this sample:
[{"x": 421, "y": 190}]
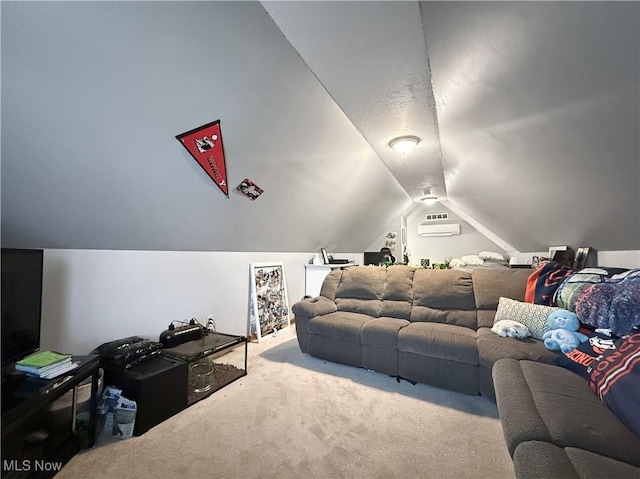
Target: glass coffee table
[{"x": 214, "y": 361}]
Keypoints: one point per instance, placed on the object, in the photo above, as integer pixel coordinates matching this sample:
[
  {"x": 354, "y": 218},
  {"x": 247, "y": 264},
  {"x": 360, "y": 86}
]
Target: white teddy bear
[{"x": 510, "y": 329}]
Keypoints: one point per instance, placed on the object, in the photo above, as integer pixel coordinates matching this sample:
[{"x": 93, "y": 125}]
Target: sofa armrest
[
  {"x": 305, "y": 310},
  {"x": 311, "y": 307}
]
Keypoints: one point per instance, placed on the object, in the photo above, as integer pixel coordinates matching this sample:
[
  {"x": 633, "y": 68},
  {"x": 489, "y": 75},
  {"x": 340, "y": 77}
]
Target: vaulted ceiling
[
  {"x": 372, "y": 59},
  {"x": 528, "y": 114},
  {"x": 528, "y": 111}
]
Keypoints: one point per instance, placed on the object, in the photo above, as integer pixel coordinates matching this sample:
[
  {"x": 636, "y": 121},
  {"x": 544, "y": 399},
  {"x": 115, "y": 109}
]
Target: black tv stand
[{"x": 31, "y": 446}]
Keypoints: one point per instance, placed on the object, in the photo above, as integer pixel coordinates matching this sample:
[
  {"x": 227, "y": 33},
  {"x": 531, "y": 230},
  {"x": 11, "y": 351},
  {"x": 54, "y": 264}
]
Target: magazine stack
[{"x": 46, "y": 364}]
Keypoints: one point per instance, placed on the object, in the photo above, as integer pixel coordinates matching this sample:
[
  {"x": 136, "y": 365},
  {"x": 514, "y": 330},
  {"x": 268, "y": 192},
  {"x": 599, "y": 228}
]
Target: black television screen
[{"x": 21, "y": 302}]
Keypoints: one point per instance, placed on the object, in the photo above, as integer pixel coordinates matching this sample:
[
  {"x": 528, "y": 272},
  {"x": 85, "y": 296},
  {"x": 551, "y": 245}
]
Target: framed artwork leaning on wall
[{"x": 269, "y": 309}]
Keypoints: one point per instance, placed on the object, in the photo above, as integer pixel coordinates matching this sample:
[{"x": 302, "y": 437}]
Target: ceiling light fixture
[
  {"x": 429, "y": 198},
  {"x": 404, "y": 144}
]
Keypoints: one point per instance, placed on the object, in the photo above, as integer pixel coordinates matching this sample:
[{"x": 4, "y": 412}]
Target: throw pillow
[
  {"x": 580, "y": 360},
  {"x": 543, "y": 282},
  {"x": 510, "y": 329},
  {"x": 456, "y": 263},
  {"x": 616, "y": 380},
  {"x": 491, "y": 255},
  {"x": 472, "y": 259},
  {"x": 533, "y": 316}
]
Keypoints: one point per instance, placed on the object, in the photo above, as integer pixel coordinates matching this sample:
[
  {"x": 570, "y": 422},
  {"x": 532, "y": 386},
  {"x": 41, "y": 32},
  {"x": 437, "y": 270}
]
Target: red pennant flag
[{"x": 205, "y": 145}]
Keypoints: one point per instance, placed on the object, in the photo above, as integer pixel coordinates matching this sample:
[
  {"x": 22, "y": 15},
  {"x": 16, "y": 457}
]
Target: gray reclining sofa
[
  {"x": 433, "y": 327},
  {"x": 557, "y": 428},
  {"x": 424, "y": 325}
]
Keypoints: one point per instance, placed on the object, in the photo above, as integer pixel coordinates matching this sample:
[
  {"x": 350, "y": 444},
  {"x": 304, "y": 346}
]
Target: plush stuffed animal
[
  {"x": 563, "y": 319},
  {"x": 510, "y": 329},
  {"x": 564, "y": 335},
  {"x": 563, "y": 340}
]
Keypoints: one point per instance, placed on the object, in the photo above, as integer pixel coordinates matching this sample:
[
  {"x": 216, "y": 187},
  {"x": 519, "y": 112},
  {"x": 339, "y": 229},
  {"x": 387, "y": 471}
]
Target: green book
[{"x": 43, "y": 359}]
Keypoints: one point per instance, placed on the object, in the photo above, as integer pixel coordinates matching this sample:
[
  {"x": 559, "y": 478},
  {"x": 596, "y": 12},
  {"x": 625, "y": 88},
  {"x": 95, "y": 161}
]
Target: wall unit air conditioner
[{"x": 439, "y": 230}]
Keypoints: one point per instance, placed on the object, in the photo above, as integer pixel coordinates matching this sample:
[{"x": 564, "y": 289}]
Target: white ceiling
[
  {"x": 372, "y": 59},
  {"x": 528, "y": 111}
]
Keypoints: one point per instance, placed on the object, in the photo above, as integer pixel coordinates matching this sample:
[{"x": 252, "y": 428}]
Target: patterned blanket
[
  {"x": 544, "y": 281},
  {"x": 576, "y": 284},
  {"x": 612, "y": 303}
]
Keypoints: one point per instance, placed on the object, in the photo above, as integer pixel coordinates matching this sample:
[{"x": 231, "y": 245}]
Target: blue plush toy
[{"x": 564, "y": 335}]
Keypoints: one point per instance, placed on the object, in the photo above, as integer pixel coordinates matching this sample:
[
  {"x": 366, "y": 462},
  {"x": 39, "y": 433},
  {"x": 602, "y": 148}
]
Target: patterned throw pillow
[
  {"x": 615, "y": 379},
  {"x": 533, "y": 316}
]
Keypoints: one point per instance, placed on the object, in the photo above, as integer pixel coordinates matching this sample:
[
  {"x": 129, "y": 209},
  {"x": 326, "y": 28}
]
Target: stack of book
[{"x": 46, "y": 364}]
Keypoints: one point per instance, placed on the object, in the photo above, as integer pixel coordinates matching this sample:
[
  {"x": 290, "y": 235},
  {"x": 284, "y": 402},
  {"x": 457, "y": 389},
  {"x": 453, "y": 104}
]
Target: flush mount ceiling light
[
  {"x": 404, "y": 144},
  {"x": 429, "y": 198}
]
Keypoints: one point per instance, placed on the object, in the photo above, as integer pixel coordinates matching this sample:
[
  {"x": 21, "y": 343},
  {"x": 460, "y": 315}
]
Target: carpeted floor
[{"x": 295, "y": 416}]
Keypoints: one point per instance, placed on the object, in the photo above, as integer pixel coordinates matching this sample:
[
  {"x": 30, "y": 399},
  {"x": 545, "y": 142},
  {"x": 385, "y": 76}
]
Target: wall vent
[{"x": 436, "y": 216}]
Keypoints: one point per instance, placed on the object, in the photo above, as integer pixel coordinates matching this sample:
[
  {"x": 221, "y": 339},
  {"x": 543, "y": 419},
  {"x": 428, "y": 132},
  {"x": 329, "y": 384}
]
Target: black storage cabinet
[{"x": 157, "y": 387}]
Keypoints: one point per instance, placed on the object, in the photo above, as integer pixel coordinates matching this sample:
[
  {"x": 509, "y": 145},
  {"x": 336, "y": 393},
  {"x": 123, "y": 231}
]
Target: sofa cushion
[
  {"x": 309, "y": 308},
  {"x": 443, "y": 289},
  {"x": 331, "y": 283},
  {"x": 360, "y": 290},
  {"x": 362, "y": 282},
  {"x": 397, "y": 294},
  {"x": 490, "y": 284},
  {"x": 383, "y": 332},
  {"x": 588, "y": 465},
  {"x": 492, "y": 347},
  {"x": 380, "y": 344},
  {"x": 485, "y": 319},
  {"x": 443, "y": 296},
  {"x": 533, "y": 316},
  {"x": 370, "y": 307},
  {"x": 442, "y": 341},
  {"x": 542, "y": 402},
  {"x": 535, "y": 459},
  {"x": 339, "y": 325},
  {"x": 466, "y": 319}
]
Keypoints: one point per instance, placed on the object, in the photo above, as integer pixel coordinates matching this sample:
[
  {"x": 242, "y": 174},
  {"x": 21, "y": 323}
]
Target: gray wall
[
  {"x": 469, "y": 241},
  {"x": 539, "y": 117},
  {"x": 93, "y": 95}
]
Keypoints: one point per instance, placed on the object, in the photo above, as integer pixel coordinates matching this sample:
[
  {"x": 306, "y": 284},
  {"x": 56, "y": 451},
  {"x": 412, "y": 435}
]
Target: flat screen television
[{"x": 21, "y": 302}]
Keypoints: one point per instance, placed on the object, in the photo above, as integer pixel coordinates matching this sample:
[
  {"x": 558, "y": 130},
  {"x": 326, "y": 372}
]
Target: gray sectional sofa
[
  {"x": 425, "y": 325},
  {"x": 557, "y": 428},
  {"x": 434, "y": 327}
]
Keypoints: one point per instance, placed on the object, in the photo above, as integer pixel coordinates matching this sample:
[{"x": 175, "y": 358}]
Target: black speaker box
[{"x": 159, "y": 387}]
